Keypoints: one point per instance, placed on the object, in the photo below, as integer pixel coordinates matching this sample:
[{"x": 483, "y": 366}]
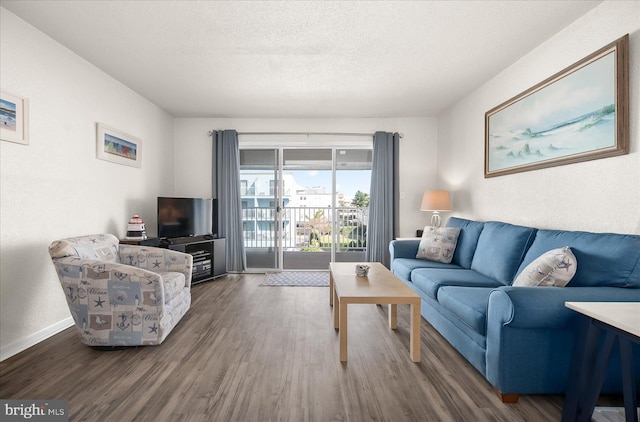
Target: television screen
[{"x": 183, "y": 217}]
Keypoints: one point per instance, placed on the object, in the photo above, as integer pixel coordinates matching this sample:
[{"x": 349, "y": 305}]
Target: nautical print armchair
[{"x": 122, "y": 295}]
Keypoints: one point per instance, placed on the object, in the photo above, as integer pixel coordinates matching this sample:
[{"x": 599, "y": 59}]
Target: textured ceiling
[{"x": 301, "y": 58}]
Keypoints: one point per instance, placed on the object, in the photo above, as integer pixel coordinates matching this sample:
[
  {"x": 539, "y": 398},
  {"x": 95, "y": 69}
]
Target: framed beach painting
[
  {"x": 578, "y": 114},
  {"x": 14, "y": 118},
  {"x": 118, "y": 147}
]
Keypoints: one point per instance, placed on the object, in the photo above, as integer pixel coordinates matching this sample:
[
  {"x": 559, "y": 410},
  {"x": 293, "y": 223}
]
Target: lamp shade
[{"x": 436, "y": 200}]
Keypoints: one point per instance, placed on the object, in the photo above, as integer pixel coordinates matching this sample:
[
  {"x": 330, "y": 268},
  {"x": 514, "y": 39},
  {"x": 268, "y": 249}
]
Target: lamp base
[{"x": 436, "y": 221}]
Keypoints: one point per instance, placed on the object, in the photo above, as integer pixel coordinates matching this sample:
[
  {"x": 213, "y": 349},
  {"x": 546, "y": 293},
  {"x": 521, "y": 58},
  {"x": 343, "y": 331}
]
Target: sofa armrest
[
  {"x": 531, "y": 335},
  {"x": 404, "y": 248},
  {"x": 543, "y": 307},
  {"x": 157, "y": 259}
]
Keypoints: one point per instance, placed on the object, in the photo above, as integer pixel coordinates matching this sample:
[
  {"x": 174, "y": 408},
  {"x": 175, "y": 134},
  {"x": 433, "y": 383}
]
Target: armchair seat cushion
[{"x": 173, "y": 284}]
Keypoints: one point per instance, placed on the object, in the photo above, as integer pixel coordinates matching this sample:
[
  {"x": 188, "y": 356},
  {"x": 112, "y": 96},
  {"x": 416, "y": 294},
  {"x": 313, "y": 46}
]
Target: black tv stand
[{"x": 209, "y": 254}]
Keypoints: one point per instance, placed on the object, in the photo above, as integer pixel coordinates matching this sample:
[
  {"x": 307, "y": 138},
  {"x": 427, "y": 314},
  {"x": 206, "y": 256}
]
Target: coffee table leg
[
  {"x": 414, "y": 342},
  {"x": 343, "y": 330},
  {"x": 393, "y": 316},
  {"x": 331, "y": 292},
  {"x": 336, "y": 311}
]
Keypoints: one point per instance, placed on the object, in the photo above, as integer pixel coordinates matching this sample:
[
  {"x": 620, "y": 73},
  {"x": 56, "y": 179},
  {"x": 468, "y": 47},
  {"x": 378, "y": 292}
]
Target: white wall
[
  {"x": 418, "y": 149},
  {"x": 600, "y": 195},
  {"x": 55, "y": 187}
]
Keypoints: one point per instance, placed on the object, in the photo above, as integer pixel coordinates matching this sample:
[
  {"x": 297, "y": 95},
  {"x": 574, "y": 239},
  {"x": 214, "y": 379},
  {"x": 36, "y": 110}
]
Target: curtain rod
[{"x": 306, "y": 133}]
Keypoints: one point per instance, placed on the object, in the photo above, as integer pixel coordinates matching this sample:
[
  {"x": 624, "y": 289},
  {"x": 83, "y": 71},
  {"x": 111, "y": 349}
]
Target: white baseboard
[{"x": 23, "y": 344}]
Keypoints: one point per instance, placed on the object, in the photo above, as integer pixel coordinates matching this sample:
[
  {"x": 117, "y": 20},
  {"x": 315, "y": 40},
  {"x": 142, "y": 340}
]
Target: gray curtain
[
  {"x": 226, "y": 179},
  {"x": 384, "y": 197}
]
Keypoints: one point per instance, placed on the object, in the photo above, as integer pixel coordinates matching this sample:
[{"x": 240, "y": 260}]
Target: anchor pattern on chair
[{"x": 122, "y": 294}]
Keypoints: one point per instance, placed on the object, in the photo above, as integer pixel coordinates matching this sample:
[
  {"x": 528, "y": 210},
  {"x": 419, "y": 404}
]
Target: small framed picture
[
  {"x": 14, "y": 118},
  {"x": 118, "y": 147}
]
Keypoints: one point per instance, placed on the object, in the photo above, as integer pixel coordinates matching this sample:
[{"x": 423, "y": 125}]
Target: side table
[{"x": 620, "y": 322}]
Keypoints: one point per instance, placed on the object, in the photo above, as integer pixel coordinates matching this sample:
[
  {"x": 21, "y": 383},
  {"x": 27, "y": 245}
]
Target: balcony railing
[{"x": 311, "y": 229}]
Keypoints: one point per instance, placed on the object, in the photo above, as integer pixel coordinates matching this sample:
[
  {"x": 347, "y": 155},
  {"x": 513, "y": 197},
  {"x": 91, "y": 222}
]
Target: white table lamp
[{"x": 436, "y": 201}]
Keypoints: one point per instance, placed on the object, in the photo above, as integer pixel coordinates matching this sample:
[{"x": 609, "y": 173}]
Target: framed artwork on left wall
[
  {"x": 14, "y": 118},
  {"x": 118, "y": 147}
]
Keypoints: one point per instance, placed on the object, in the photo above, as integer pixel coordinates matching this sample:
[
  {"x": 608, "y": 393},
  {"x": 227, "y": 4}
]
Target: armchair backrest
[{"x": 102, "y": 247}]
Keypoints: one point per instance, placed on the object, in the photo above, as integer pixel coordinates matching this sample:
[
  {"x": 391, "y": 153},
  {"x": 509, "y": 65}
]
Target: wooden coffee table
[{"x": 379, "y": 287}]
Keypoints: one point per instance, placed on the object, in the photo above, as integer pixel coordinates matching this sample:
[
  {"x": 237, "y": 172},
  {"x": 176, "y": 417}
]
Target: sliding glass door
[
  {"x": 307, "y": 176},
  {"x": 353, "y": 180},
  {"x": 304, "y": 207},
  {"x": 259, "y": 176}
]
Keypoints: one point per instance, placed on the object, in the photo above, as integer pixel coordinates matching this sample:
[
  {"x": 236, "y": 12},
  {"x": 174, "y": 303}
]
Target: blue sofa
[{"x": 520, "y": 338}]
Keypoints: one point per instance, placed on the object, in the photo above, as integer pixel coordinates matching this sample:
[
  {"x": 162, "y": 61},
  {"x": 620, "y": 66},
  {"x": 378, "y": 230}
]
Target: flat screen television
[{"x": 185, "y": 217}]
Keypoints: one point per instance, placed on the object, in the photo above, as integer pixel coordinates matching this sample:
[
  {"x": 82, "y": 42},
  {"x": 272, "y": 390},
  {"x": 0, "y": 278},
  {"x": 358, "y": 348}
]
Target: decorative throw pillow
[
  {"x": 438, "y": 243},
  {"x": 554, "y": 268}
]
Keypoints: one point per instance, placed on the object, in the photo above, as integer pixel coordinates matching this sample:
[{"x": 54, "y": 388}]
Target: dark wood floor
[{"x": 246, "y": 352}]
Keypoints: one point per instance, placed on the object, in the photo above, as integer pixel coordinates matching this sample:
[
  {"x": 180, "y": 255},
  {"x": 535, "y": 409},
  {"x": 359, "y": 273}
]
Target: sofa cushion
[
  {"x": 402, "y": 267},
  {"x": 173, "y": 283},
  {"x": 438, "y": 243},
  {"x": 501, "y": 248},
  {"x": 469, "y": 304},
  {"x": 605, "y": 259},
  {"x": 430, "y": 280},
  {"x": 467, "y": 240},
  {"x": 554, "y": 268}
]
